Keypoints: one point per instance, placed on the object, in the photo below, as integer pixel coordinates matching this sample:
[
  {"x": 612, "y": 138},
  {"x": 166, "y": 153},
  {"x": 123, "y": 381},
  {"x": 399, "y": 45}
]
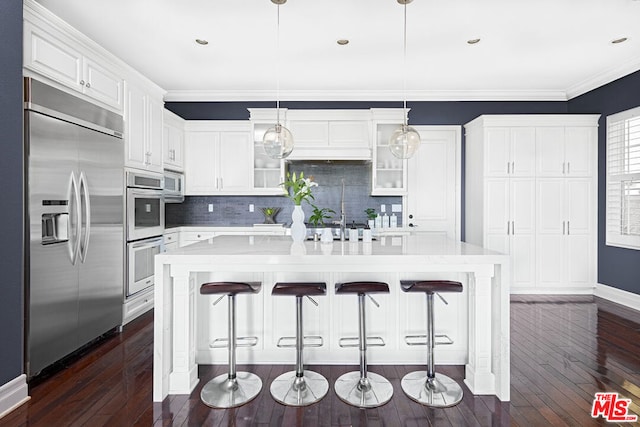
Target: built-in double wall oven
[{"x": 145, "y": 225}]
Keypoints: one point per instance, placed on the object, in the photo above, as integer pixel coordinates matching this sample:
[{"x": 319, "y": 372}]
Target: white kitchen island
[{"x": 186, "y": 322}]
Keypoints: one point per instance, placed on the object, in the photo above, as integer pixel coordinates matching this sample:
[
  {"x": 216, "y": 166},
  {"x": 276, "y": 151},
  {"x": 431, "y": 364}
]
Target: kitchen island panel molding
[{"x": 272, "y": 258}]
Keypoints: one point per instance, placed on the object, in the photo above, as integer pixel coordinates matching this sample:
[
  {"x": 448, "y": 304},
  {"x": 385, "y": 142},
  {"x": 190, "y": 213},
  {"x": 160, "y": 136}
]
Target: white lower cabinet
[
  {"x": 510, "y": 215},
  {"x": 137, "y": 306},
  {"x": 564, "y": 230}
]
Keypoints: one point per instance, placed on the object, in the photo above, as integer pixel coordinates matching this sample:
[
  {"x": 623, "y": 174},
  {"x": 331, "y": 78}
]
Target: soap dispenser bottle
[
  {"x": 393, "y": 221},
  {"x": 385, "y": 221},
  {"x": 378, "y": 221}
]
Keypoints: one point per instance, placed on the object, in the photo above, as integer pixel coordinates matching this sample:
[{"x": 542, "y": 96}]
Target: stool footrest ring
[
  {"x": 240, "y": 342},
  {"x": 308, "y": 341},
  {"x": 422, "y": 340},
  {"x": 371, "y": 342}
]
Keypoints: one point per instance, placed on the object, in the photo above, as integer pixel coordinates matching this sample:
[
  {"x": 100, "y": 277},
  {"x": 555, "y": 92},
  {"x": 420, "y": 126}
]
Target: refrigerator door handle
[
  {"x": 86, "y": 218},
  {"x": 74, "y": 220}
]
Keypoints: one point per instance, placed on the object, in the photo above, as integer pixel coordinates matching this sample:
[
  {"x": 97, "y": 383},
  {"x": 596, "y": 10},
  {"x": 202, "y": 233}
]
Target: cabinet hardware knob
[
  {"x": 81, "y": 82},
  {"x": 410, "y": 216},
  {"x": 88, "y": 84}
]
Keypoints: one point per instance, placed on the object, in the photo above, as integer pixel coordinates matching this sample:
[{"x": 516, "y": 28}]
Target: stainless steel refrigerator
[{"x": 74, "y": 227}]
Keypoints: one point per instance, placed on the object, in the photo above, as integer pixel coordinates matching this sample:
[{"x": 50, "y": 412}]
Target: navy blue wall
[
  {"x": 617, "y": 267},
  {"x": 11, "y": 305}
]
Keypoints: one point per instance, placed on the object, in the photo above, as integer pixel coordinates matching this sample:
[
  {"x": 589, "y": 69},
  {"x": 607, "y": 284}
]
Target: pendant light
[
  {"x": 405, "y": 140},
  {"x": 277, "y": 140}
]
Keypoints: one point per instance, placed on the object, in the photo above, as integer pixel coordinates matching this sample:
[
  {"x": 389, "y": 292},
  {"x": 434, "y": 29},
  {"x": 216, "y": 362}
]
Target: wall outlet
[
  {"x": 210, "y": 207},
  {"x": 396, "y": 208},
  {"x": 383, "y": 208},
  {"x": 251, "y": 207}
]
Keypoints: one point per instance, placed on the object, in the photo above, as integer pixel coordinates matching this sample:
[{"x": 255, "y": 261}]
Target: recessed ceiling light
[
  {"x": 202, "y": 42},
  {"x": 620, "y": 40},
  {"x": 342, "y": 42},
  {"x": 473, "y": 41}
]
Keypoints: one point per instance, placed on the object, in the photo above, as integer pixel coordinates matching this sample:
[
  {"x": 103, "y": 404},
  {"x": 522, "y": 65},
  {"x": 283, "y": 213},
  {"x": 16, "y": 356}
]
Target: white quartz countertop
[{"x": 419, "y": 247}]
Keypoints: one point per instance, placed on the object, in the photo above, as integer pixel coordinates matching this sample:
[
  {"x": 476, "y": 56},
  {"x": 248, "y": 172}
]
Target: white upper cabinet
[
  {"x": 143, "y": 128},
  {"x": 218, "y": 157},
  {"x": 173, "y": 141},
  {"x": 510, "y": 151},
  {"x": 51, "y": 53},
  {"x": 330, "y": 134},
  {"x": 566, "y": 151}
]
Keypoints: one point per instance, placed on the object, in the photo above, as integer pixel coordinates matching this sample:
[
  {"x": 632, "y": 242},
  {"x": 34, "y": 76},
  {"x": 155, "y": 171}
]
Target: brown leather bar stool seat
[
  {"x": 428, "y": 387},
  {"x": 234, "y": 388},
  {"x": 361, "y": 388},
  {"x": 300, "y": 387}
]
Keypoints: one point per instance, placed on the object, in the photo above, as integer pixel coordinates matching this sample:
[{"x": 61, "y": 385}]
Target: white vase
[{"x": 298, "y": 229}]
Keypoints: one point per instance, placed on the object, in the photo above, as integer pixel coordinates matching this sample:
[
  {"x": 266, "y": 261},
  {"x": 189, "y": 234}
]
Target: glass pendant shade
[
  {"x": 404, "y": 142},
  {"x": 277, "y": 142}
]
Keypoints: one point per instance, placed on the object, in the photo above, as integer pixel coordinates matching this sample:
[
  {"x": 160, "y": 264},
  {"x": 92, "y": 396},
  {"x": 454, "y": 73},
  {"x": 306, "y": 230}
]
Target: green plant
[
  {"x": 270, "y": 211},
  {"x": 298, "y": 188},
  {"x": 371, "y": 213},
  {"x": 270, "y": 214},
  {"x": 319, "y": 215}
]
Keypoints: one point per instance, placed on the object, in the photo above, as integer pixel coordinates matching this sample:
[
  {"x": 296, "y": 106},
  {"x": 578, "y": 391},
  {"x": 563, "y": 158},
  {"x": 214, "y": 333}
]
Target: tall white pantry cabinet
[{"x": 531, "y": 192}]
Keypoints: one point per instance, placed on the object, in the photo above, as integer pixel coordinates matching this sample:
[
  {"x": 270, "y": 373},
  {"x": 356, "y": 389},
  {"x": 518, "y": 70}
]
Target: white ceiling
[{"x": 529, "y": 50}]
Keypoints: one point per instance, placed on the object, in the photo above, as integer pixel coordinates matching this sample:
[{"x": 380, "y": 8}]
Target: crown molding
[
  {"x": 602, "y": 79},
  {"x": 362, "y": 95}
]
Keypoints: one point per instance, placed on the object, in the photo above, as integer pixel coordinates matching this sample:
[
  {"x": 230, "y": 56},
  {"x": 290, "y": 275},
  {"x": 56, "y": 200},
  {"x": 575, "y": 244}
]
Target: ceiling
[{"x": 528, "y": 50}]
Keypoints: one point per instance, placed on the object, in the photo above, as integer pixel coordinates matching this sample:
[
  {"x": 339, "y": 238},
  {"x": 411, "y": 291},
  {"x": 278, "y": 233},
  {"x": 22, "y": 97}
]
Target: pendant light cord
[
  {"x": 278, "y": 68},
  {"x": 405, "y": 119}
]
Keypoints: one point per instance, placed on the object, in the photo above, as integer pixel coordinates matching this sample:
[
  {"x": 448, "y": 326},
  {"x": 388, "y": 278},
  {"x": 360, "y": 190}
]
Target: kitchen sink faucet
[{"x": 343, "y": 216}]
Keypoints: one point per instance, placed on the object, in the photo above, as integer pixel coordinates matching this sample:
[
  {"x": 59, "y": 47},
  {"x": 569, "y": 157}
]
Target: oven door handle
[
  {"x": 147, "y": 243},
  {"x": 145, "y": 193}
]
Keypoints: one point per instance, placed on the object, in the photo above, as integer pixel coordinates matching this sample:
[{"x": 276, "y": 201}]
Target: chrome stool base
[
  {"x": 370, "y": 392},
  {"x": 222, "y": 392},
  {"x": 440, "y": 392},
  {"x": 291, "y": 390}
]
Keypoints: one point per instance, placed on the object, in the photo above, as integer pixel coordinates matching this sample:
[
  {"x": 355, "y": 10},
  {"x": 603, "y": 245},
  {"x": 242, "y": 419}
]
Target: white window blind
[{"x": 623, "y": 179}]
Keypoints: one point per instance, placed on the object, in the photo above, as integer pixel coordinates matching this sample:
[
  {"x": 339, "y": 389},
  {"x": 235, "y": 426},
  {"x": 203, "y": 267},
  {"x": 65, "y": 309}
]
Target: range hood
[{"x": 329, "y": 153}]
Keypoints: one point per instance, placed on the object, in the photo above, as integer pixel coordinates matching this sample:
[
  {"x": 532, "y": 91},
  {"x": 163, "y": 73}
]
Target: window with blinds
[{"x": 623, "y": 179}]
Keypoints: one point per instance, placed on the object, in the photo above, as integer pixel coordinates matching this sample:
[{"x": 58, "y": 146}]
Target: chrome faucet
[{"x": 343, "y": 216}]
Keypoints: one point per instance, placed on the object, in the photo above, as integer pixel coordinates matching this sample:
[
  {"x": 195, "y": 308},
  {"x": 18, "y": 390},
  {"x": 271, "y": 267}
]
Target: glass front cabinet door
[{"x": 389, "y": 173}]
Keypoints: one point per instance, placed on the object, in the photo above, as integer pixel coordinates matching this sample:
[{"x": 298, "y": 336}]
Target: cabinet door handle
[
  {"x": 513, "y": 167},
  {"x": 221, "y": 184},
  {"x": 508, "y": 172},
  {"x": 217, "y": 181},
  {"x": 508, "y": 228},
  {"x": 513, "y": 227},
  {"x": 568, "y": 228},
  {"x": 568, "y": 168},
  {"x": 563, "y": 167},
  {"x": 563, "y": 227}
]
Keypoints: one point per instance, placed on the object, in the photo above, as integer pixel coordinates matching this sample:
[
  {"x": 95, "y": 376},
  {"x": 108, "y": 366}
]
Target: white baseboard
[
  {"x": 619, "y": 296},
  {"x": 13, "y": 394}
]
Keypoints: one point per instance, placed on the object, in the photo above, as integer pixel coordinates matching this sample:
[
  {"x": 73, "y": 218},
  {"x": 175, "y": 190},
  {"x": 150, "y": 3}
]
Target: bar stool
[
  {"x": 234, "y": 388},
  {"x": 428, "y": 387},
  {"x": 300, "y": 387},
  {"x": 363, "y": 389}
]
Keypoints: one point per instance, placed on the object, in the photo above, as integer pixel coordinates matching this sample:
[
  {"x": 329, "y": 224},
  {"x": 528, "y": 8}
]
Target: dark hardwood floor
[{"x": 563, "y": 350}]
